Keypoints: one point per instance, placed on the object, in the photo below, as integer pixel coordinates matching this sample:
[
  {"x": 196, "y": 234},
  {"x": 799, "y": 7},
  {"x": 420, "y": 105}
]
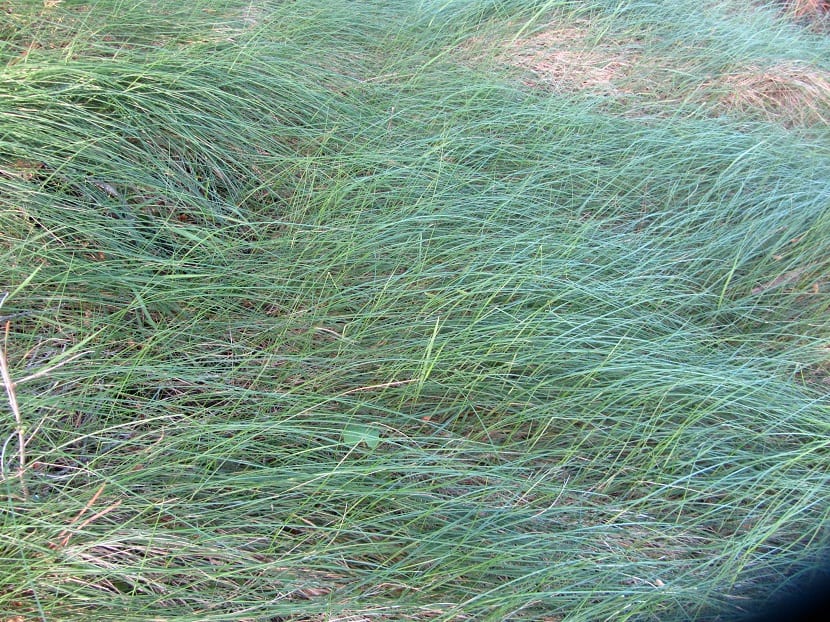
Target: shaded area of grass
[{"x": 581, "y": 347}]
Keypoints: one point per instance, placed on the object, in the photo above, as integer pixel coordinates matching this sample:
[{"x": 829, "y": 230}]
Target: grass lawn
[{"x": 429, "y": 310}]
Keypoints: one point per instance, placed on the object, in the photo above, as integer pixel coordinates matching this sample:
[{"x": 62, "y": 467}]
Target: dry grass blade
[
  {"x": 66, "y": 534},
  {"x": 20, "y": 430}
]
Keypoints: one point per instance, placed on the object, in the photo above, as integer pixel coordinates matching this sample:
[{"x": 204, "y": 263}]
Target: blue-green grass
[{"x": 310, "y": 317}]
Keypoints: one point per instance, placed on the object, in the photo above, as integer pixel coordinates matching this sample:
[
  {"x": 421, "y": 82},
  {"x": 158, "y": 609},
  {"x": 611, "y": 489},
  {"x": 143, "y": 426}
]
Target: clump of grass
[{"x": 295, "y": 337}]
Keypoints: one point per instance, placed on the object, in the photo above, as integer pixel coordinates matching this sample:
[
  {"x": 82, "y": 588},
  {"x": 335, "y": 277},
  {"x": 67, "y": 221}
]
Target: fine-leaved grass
[{"x": 315, "y": 311}]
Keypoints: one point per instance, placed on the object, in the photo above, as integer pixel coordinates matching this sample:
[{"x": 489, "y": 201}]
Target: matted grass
[
  {"x": 638, "y": 59},
  {"x": 309, "y": 317}
]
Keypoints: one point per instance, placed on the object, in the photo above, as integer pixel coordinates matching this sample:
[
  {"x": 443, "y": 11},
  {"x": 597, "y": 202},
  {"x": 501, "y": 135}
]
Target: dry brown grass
[
  {"x": 808, "y": 8},
  {"x": 812, "y": 14},
  {"x": 788, "y": 92},
  {"x": 562, "y": 60},
  {"x": 570, "y": 59}
]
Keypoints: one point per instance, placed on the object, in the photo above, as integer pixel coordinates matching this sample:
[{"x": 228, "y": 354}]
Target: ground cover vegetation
[{"x": 411, "y": 310}]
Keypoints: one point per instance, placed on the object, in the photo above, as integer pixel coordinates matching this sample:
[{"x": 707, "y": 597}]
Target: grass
[{"x": 332, "y": 311}]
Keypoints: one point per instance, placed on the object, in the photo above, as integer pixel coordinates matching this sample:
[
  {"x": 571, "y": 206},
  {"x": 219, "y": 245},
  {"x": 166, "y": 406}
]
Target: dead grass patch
[
  {"x": 808, "y": 8},
  {"x": 570, "y": 59},
  {"x": 564, "y": 59},
  {"x": 787, "y": 92}
]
